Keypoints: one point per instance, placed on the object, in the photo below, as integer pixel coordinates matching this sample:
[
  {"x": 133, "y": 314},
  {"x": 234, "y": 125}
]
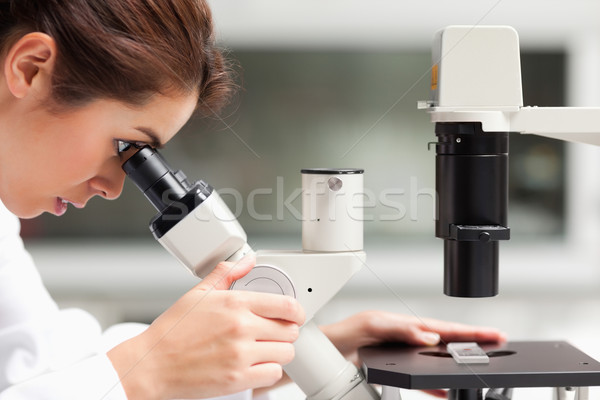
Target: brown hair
[{"x": 125, "y": 50}]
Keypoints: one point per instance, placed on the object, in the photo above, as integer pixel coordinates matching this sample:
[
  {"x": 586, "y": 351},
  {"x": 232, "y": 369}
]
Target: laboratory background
[{"x": 334, "y": 83}]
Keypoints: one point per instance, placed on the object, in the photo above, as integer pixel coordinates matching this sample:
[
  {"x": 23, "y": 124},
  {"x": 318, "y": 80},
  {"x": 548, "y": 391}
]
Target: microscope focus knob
[{"x": 267, "y": 279}]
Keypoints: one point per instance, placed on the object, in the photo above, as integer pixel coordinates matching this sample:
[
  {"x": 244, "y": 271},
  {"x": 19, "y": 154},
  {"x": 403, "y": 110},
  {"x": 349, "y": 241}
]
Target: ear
[{"x": 29, "y": 63}]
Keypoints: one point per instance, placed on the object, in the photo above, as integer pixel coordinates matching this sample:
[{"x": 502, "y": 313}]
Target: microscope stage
[{"x": 512, "y": 365}]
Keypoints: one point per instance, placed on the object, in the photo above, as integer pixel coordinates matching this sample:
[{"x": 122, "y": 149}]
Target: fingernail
[{"x": 430, "y": 338}]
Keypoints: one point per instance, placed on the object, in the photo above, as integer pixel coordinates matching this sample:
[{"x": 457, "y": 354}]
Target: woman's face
[{"x": 49, "y": 160}]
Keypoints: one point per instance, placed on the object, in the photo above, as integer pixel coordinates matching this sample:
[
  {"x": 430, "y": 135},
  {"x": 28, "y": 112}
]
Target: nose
[{"x": 109, "y": 181}]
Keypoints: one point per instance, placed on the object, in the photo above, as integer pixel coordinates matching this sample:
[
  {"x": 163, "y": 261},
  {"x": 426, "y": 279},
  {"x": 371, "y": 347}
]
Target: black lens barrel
[
  {"x": 472, "y": 188},
  {"x": 153, "y": 176}
]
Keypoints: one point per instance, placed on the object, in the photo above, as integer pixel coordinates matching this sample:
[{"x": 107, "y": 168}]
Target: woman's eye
[{"x": 122, "y": 146}]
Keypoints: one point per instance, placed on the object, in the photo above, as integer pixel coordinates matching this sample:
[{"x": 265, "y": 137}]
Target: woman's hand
[
  {"x": 373, "y": 327},
  {"x": 211, "y": 342}
]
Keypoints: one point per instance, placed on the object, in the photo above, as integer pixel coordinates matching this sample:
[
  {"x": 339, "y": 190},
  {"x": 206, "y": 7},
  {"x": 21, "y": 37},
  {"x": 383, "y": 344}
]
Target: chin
[
  {"x": 21, "y": 210},
  {"x": 28, "y": 215}
]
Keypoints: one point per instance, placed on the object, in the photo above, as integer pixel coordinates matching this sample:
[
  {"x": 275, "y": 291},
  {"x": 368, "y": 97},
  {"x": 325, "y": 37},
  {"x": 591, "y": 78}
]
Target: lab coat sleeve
[
  {"x": 92, "y": 378},
  {"x": 45, "y": 353},
  {"x": 57, "y": 356}
]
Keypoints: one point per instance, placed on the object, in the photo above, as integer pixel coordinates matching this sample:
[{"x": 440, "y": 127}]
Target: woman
[{"x": 81, "y": 78}]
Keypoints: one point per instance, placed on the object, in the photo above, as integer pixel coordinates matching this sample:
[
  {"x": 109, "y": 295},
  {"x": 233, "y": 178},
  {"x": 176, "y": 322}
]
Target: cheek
[
  {"x": 61, "y": 169},
  {"x": 61, "y": 172},
  {"x": 80, "y": 156}
]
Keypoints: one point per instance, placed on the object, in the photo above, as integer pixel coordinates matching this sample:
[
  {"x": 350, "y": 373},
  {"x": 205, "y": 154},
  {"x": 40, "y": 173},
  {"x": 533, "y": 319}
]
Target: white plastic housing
[
  {"x": 476, "y": 77},
  {"x": 316, "y": 277},
  {"x": 476, "y": 67},
  {"x": 332, "y": 210},
  {"x": 205, "y": 237},
  {"x": 322, "y": 372}
]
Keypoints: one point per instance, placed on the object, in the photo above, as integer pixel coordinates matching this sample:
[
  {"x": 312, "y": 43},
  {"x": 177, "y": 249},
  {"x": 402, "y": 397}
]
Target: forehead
[{"x": 164, "y": 115}]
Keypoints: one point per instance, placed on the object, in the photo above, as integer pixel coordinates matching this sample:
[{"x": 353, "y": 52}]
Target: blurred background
[{"x": 334, "y": 83}]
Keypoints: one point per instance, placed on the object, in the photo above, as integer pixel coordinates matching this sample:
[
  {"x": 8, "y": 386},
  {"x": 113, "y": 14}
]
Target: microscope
[
  {"x": 196, "y": 226},
  {"x": 476, "y": 102}
]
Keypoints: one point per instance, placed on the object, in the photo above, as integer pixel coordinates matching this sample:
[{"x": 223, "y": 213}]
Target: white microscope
[{"x": 196, "y": 226}]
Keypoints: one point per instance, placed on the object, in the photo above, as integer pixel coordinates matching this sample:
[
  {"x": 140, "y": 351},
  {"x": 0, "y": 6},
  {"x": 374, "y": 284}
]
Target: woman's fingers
[
  {"x": 215, "y": 342},
  {"x": 271, "y": 352},
  {"x": 439, "y": 393},
  {"x": 383, "y": 326},
  {"x": 263, "y": 304},
  {"x": 374, "y": 327},
  {"x": 276, "y": 306},
  {"x": 456, "y": 332},
  {"x": 225, "y": 273},
  {"x": 264, "y": 374},
  {"x": 277, "y": 331}
]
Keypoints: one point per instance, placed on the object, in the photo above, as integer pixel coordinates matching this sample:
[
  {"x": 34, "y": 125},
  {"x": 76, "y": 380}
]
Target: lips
[{"x": 60, "y": 205}]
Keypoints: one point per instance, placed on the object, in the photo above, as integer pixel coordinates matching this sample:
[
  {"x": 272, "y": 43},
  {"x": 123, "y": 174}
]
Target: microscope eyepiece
[
  {"x": 153, "y": 176},
  {"x": 168, "y": 190}
]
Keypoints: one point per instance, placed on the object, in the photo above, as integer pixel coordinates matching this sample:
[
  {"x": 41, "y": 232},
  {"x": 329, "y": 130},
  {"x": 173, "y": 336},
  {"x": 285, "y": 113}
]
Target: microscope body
[
  {"x": 332, "y": 252},
  {"x": 475, "y": 102},
  {"x": 332, "y": 237},
  {"x": 196, "y": 226}
]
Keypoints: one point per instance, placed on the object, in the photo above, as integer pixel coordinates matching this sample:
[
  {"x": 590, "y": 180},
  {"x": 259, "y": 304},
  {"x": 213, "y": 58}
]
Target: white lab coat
[{"x": 47, "y": 353}]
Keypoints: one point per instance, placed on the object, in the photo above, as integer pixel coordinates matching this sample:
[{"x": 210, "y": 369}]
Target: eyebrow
[{"x": 154, "y": 140}]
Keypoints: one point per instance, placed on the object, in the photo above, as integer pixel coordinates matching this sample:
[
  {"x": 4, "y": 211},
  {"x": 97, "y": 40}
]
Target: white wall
[{"x": 396, "y": 24}]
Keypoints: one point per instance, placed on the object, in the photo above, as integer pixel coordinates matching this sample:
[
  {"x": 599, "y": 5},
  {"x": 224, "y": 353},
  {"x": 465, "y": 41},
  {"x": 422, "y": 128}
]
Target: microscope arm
[{"x": 571, "y": 124}]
